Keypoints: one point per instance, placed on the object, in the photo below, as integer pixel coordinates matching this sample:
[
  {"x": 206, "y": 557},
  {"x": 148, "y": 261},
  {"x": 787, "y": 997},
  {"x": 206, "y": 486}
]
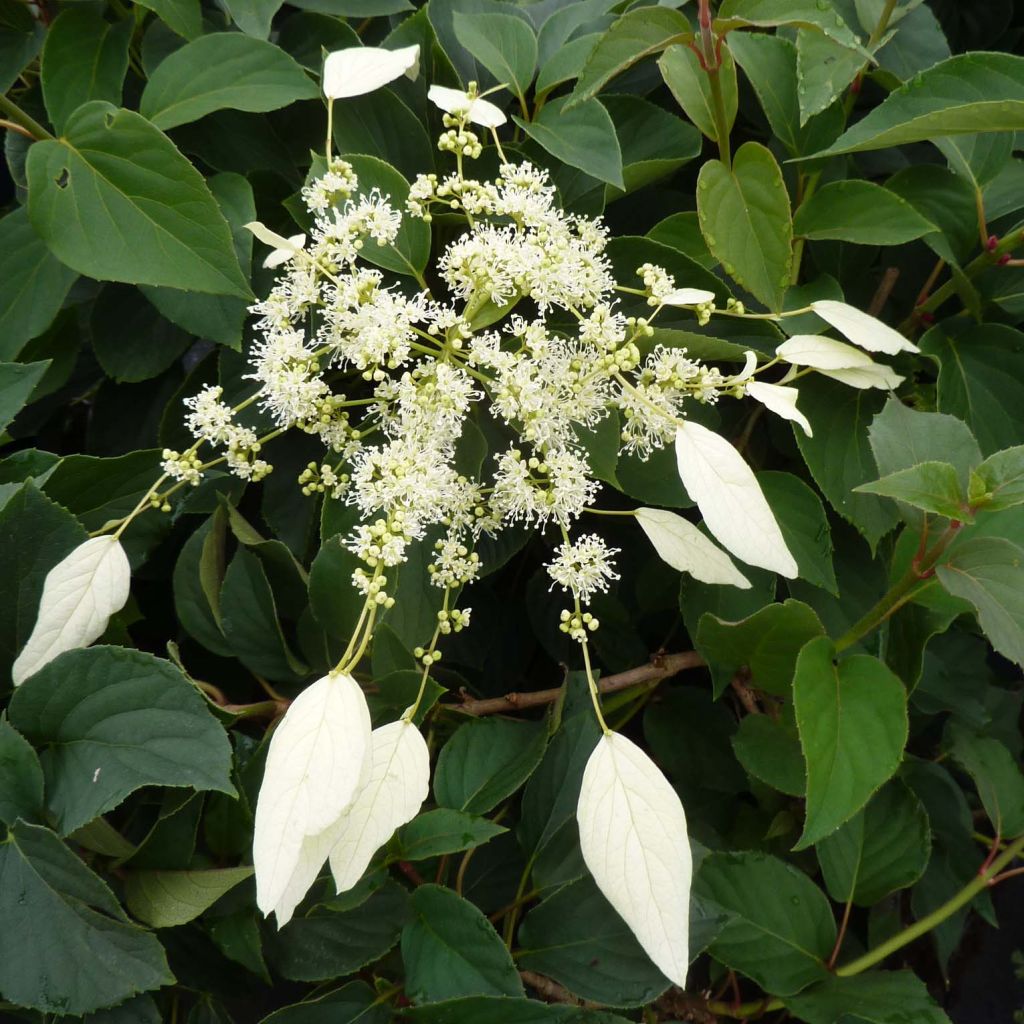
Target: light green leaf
[
  {"x": 971, "y": 92},
  {"x": 582, "y": 136},
  {"x": 801, "y": 13},
  {"x": 989, "y": 572},
  {"x": 165, "y": 899},
  {"x": 745, "y": 219},
  {"x": 114, "y": 720},
  {"x": 767, "y": 642},
  {"x": 1000, "y": 480},
  {"x": 932, "y": 486},
  {"x": 824, "y": 69},
  {"x": 878, "y": 997},
  {"x": 66, "y": 946},
  {"x": 996, "y": 774},
  {"x": 689, "y": 84},
  {"x": 114, "y": 199},
  {"x": 435, "y": 833},
  {"x": 852, "y": 721},
  {"x": 17, "y": 382},
  {"x": 35, "y": 283},
  {"x": 780, "y": 928},
  {"x": 182, "y": 16},
  {"x": 639, "y": 33},
  {"x": 882, "y": 848},
  {"x": 223, "y": 70},
  {"x": 486, "y": 761},
  {"x": 21, "y": 778},
  {"x": 980, "y": 369},
  {"x": 85, "y": 57},
  {"x": 859, "y": 212},
  {"x": 503, "y": 44},
  {"x": 450, "y": 949}
]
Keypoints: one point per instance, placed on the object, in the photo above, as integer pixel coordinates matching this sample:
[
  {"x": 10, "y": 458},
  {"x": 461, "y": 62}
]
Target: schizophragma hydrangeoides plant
[
  {"x": 509, "y": 511},
  {"x": 529, "y": 323}
]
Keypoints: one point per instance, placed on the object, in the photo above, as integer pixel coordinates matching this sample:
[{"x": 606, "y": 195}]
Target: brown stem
[
  {"x": 884, "y": 290},
  {"x": 746, "y": 696},
  {"x": 843, "y": 925},
  {"x": 661, "y": 667},
  {"x": 547, "y": 989}
]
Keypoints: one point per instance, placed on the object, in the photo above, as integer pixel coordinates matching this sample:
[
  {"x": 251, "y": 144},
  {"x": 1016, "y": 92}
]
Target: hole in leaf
[
  {"x": 62, "y": 179},
  {"x": 108, "y": 120}
]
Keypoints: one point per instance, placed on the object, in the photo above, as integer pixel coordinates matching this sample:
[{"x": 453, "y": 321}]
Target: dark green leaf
[
  {"x": 381, "y": 125},
  {"x": 582, "y": 136},
  {"x": 85, "y": 58},
  {"x": 114, "y": 199},
  {"x": 442, "y": 831},
  {"x": 503, "y": 44},
  {"x": 183, "y": 16},
  {"x": 770, "y": 751},
  {"x": 353, "y": 1002},
  {"x": 801, "y": 13},
  {"x": 450, "y": 949},
  {"x": 21, "y": 778},
  {"x": 17, "y": 382},
  {"x": 989, "y": 572},
  {"x": 223, "y": 70},
  {"x": 486, "y": 761},
  {"x": 882, "y": 848},
  {"x": 253, "y": 17},
  {"x": 745, "y": 219},
  {"x": 114, "y": 720},
  {"x": 67, "y": 946},
  {"x": 780, "y": 928},
  {"x": 861, "y": 212},
  {"x": 877, "y": 997},
  {"x": 503, "y": 1010},
  {"x": 852, "y": 720},
  {"x": 998, "y": 778}
]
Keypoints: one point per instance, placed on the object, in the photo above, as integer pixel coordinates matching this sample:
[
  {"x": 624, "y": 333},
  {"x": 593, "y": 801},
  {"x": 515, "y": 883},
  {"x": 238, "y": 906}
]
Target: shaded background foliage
[{"x": 136, "y": 880}]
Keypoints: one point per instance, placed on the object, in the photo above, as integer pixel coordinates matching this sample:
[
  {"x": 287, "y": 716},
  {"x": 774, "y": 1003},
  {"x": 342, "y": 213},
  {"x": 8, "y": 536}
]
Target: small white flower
[
  {"x": 357, "y": 70},
  {"x": 284, "y": 249},
  {"x": 462, "y": 104},
  {"x": 583, "y": 567}
]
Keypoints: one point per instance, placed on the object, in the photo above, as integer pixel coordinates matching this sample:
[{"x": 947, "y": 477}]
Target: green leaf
[
  {"x": 354, "y": 1002},
  {"x": 945, "y": 199},
  {"x": 639, "y": 33},
  {"x": 780, "y": 928},
  {"x": 998, "y": 482},
  {"x": 824, "y": 69},
  {"x": 877, "y": 997},
  {"x": 859, "y": 212},
  {"x": 35, "y": 534},
  {"x": 582, "y": 136},
  {"x": 115, "y": 720},
  {"x": 503, "y": 1010},
  {"x": 330, "y": 944},
  {"x": 435, "y": 833},
  {"x": 801, "y": 517},
  {"x": 566, "y": 64},
  {"x": 165, "y": 899},
  {"x": 882, "y": 848},
  {"x": 770, "y": 751},
  {"x": 253, "y": 17},
  {"x": 182, "y": 16},
  {"x": 744, "y": 217},
  {"x": 932, "y": 486},
  {"x": 66, "y": 946},
  {"x": 505, "y": 45},
  {"x": 839, "y": 456},
  {"x": 17, "y": 382},
  {"x": 35, "y": 283},
  {"x": 381, "y": 125},
  {"x": 576, "y": 938},
  {"x": 223, "y": 70},
  {"x": 450, "y": 949},
  {"x": 801, "y": 13},
  {"x": 689, "y": 83},
  {"x": 767, "y": 642},
  {"x": 852, "y": 721},
  {"x": 114, "y": 199},
  {"x": 996, "y": 774},
  {"x": 486, "y": 761},
  {"x": 980, "y": 366},
  {"x": 21, "y": 778},
  {"x": 971, "y": 92},
  {"x": 989, "y": 573},
  {"x": 21, "y": 38}
]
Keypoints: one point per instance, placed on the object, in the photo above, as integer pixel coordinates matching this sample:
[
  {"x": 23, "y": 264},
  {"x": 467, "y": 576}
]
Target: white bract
[
  {"x": 684, "y": 547},
  {"x": 283, "y": 249},
  {"x": 821, "y": 353},
  {"x": 80, "y": 593},
  {"x": 874, "y": 376},
  {"x": 861, "y": 328},
  {"x": 462, "y": 104},
  {"x": 314, "y": 769},
  {"x": 396, "y": 785},
  {"x": 687, "y": 297},
  {"x": 634, "y": 841},
  {"x": 357, "y": 70},
  {"x": 730, "y": 499},
  {"x": 781, "y": 401}
]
